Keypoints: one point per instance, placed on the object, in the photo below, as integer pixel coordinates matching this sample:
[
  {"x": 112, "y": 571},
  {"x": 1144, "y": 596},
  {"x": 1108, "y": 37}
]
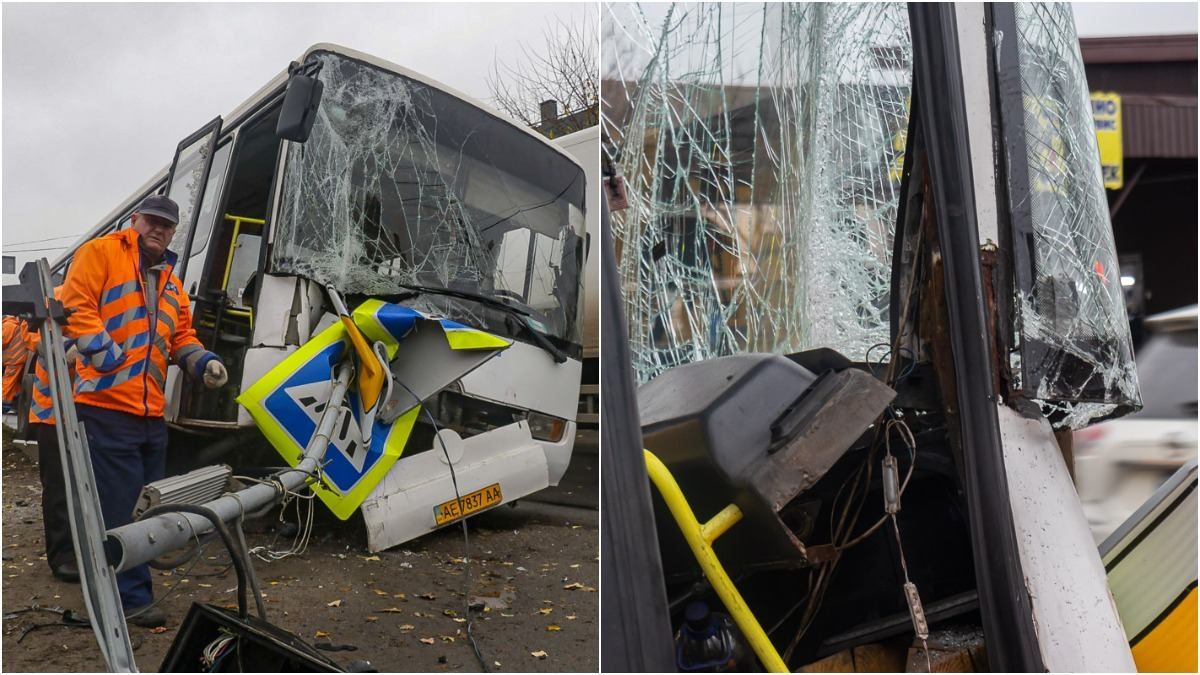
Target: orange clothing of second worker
[
  {"x": 16, "y": 353},
  {"x": 41, "y": 406},
  {"x": 123, "y": 357}
]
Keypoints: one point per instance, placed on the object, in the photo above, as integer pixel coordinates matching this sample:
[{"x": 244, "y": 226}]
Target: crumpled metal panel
[
  {"x": 1076, "y": 355},
  {"x": 763, "y": 147}
]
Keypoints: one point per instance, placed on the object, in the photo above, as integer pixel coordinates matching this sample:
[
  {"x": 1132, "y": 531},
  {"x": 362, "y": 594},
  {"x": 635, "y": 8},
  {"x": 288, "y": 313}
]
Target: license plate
[{"x": 470, "y": 503}]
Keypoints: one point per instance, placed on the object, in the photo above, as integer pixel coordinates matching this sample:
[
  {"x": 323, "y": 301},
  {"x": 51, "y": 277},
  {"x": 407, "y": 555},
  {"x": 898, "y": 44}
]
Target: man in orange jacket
[
  {"x": 131, "y": 320},
  {"x": 15, "y": 355},
  {"x": 56, "y": 524}
]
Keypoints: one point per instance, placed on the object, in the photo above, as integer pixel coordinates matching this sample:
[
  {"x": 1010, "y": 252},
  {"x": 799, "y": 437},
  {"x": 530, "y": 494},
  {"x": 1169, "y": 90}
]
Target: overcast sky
[{"x": 96, "y": 97}]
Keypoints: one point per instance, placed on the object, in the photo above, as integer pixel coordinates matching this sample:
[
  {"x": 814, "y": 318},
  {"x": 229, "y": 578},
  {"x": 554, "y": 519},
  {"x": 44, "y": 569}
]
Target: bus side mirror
[{"x": 299, "y": 110}]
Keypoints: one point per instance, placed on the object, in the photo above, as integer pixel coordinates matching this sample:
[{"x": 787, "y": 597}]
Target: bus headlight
[{"x": 546, "y": 428}]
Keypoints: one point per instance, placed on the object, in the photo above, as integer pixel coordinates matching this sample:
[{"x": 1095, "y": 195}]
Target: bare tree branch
[{"x": 566, "y": 72}]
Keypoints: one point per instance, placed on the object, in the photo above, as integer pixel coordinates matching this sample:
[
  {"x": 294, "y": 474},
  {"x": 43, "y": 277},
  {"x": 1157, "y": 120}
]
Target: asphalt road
[{"x": 541, "y": 556}]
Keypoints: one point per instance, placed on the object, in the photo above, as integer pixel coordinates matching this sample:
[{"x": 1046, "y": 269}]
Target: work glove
[{"x": 215, "y": 374}]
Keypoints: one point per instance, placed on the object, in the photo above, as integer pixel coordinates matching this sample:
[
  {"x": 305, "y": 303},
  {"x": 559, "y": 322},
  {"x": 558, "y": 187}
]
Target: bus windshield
[{"x": 401, "y": 184}]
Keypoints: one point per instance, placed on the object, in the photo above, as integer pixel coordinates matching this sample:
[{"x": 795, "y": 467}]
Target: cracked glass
[
  {"x": 763, "y": 148},
  {"x": 1076, "y": 355},
  {"x": 401, "y": 183}
]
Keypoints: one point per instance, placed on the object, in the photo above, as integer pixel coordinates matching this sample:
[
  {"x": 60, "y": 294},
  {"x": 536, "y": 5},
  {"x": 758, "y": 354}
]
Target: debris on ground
[{"x": 300, "y": 588}]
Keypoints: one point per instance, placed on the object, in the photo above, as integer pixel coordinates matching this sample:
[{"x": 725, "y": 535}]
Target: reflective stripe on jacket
[
  {"x": 41, "y": 407},
  {"x": 16, "y": 353},
  {"x": 123, "y": 359}
]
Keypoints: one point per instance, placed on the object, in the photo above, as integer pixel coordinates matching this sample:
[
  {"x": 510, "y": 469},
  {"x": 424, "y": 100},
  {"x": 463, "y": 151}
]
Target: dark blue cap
[{"x": 160, "y": 206}]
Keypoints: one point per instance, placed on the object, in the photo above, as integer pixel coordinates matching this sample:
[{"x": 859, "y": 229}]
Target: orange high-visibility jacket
[
  {"x": 15, "y": 355},
  {"x": 123, "y": 359},
  {"x": 41, "y": 407}
]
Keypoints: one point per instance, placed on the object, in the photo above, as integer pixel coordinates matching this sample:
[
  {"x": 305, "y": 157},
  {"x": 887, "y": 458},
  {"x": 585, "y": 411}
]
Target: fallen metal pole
[
  {"x": 144, "y": 540},
  {"x": 100, "y": 593}
]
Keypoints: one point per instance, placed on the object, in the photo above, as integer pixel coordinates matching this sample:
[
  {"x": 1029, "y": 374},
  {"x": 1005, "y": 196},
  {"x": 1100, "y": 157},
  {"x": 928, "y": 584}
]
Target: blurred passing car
[{"x": 1119, "y": 464}]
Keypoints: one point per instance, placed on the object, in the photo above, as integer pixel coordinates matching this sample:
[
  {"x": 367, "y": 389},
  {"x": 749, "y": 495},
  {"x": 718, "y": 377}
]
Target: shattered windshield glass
[
  {"x": 1076, "y": 355},
  {"x": 762, "y": 148},
  {"x": 401, "y": 183}
]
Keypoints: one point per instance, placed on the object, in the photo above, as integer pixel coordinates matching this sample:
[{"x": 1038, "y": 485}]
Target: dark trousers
[
  {"x": 60, "y": 548},
  {"x": 128, "y": 451}
]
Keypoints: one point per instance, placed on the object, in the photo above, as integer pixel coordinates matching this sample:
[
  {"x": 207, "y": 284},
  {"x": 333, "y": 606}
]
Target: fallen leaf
[
  {"x": 554, "y": 628},
  {"x": 372, "y": 619},
  {"x": 575, "y": 566},
  {"x": 406, "y": 627},
  {"x": 446, "y": 638},
  {"x": 571, "y": 587},
  {"x": 402, "y": 596},
  {"x": 459, "y": 619},
  {"x": 321, "y": 634},
  {"x": 501, "y": 614},
  {"x": 392, "y": 610},
  {"x": 427, "y": 596},
  {"x": 545, "y": 610},
  {"x": 539, "y": 654},
  {"x": 370, "y": 558},
  {"x": 428, "y": 641},
  {"x": 334, "y": 603},
  {"x": 449, "y": 612},
  {"x": 204, "y": 585},
  {"x": 570, "y": 617},
  {"x": 159, "y": 629},
  {"x": 379, "y": 592}
]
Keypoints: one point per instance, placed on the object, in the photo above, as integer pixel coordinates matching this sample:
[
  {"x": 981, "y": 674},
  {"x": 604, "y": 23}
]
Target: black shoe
[
  {"x": 67, "y": 572},
  {"x": 146, "y": 617}
]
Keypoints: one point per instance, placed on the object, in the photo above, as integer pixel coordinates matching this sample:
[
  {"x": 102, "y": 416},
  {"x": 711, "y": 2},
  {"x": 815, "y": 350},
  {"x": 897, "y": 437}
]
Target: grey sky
[{"x": 96, "y": 97}]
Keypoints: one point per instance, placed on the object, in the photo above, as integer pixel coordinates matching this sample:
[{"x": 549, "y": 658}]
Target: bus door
[{"x": 225, "y": 257}]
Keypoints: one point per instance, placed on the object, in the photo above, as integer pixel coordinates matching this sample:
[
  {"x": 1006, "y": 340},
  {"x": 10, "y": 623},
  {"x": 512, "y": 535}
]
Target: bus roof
[{"x": 276, "y": 85}]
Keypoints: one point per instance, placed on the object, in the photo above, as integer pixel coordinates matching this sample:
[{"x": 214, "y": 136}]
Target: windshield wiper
[{"x": 521, "y": 313}]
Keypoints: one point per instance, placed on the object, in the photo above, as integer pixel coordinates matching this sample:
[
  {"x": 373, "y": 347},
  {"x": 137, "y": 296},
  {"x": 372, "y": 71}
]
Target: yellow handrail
[
  {"x": 237, "y": 225},
  {"x": 700, "y": 537}
]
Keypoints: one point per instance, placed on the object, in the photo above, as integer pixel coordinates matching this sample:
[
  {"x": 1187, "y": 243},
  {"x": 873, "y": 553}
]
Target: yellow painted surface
[
  {"x": 693, "y": 532},
  {"x": 1171, "y": 646},
  {"x": 1106, "y": 113}
]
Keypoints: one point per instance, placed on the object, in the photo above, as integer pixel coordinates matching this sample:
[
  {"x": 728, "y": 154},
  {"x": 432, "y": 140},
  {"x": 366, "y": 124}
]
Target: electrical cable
[
  {"x": 41, "y": 241},
  {"x": 185, "y": 557},
  {"x": 253, "y": 576},
  {"x": 463, "y": 519},
  {"x": 840, "y": 534},
  {"x": 38, "y": 250},
  {"x": 238, "y": 557}
]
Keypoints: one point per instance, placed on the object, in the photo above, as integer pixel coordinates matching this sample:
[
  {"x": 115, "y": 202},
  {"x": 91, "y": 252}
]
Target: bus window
[
  {"x": 189, "y": 173},
  {"x": 206, "y": 219}
]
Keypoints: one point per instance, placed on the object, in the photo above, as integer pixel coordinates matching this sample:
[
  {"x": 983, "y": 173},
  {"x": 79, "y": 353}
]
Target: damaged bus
[
  {"x": 867, "y": 287},
  {"x": 399, "y": 191}
]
